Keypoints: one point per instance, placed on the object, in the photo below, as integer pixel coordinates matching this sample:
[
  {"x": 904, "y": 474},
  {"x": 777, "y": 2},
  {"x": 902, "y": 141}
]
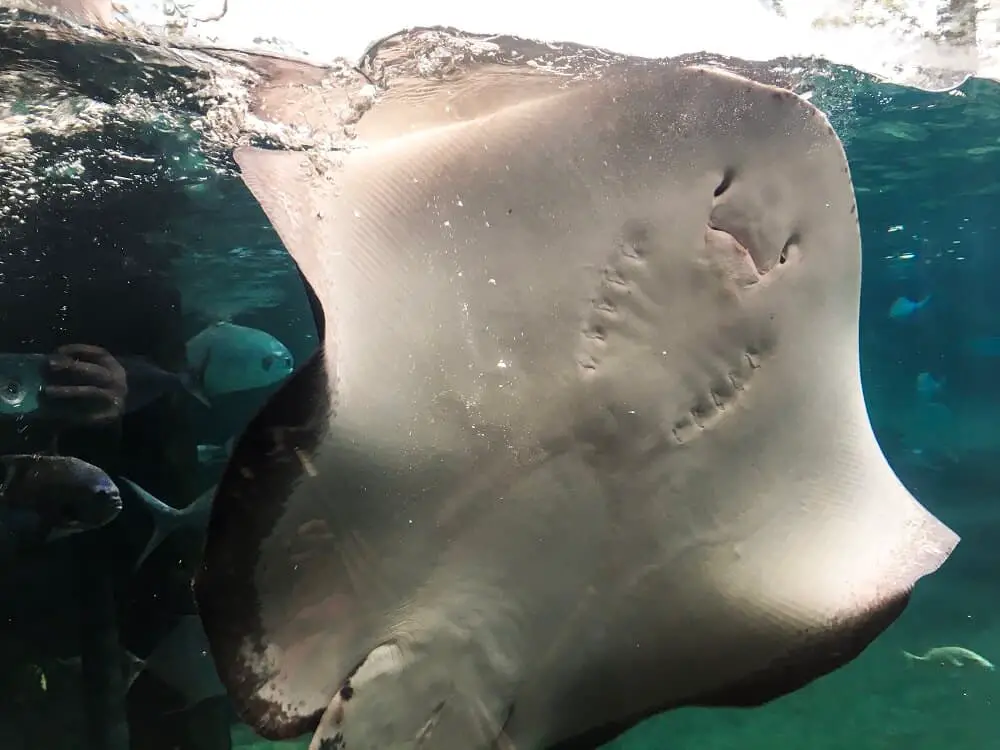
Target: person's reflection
[
  {"x": 83, "y": 414},
  {"x": 84, "y": 385}
]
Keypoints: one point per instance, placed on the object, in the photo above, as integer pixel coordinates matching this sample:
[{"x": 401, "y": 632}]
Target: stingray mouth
[
  {"x": 746, "y": 261},
  {"x": 731, "y": 240},
  {"x": 732, "y": 256}
]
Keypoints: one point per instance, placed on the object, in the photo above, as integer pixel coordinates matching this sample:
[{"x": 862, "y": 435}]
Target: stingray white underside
[{"x": 599, "y": 446}]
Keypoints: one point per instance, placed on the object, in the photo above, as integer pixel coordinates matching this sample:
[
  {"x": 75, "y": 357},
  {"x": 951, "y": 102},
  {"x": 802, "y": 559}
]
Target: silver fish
[
  {"x": 231, "y": 358},
  {"x": 904, "y": 307}
]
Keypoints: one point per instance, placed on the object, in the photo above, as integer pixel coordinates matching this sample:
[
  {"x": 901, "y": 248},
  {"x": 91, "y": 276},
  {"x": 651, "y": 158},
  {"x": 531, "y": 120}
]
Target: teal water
[{"x": 113, "y": 174}]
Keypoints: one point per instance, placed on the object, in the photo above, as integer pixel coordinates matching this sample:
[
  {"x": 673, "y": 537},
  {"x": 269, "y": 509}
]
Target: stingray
[{"x": 585, "y": 440}]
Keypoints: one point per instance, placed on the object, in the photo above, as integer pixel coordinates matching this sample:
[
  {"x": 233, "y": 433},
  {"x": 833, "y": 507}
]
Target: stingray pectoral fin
[
  {"x": 819, "y": 611},
  {"x": 746, "y": 622},
  {"x": 277, "y": 177}
]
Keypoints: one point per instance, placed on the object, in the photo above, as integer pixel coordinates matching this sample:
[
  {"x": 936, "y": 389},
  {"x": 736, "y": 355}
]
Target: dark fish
[
  {"x": 586, "y": 439},
  {"x": 47, "y": 497}
]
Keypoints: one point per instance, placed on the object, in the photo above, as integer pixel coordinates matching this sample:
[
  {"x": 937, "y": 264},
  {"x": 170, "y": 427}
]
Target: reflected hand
[{"x": 85, "y": 384}]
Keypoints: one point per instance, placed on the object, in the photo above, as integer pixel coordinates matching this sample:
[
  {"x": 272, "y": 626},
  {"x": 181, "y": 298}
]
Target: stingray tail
[
  {"x": 167, "y": 520},
  {"x": 911, "y": 657}
]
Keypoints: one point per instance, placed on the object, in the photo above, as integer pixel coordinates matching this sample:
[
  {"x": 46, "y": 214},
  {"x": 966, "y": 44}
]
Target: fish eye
[
  {"x": 267, "y": 361},
  {"x": 12, "y": 393}
]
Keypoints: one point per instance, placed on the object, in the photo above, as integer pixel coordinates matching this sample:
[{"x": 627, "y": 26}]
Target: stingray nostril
[
  {"x": 786, "y": 250},
  {"x": 727, "y": 181}
]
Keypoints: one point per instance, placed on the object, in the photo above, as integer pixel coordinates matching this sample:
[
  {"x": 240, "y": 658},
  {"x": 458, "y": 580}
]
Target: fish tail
[
  {"x": 166, "y": 520},
  {"x": 912, "y": 657},
  {"x": 155, "y": 540},
  {"x": 132, "y": 667}
]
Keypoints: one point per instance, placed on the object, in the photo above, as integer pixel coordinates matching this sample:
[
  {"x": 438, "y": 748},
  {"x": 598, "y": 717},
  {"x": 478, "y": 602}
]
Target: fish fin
[
  {"x": 182, "y": 661},
  {"x": 198, "y": 513},
  {"x": 194, "y": 378},
  {"x": 166, "y": 520},
  {"x": 192, "y": 384},
  {"x": 822, "y": 654},
  {"x": 132, "y": 667}
]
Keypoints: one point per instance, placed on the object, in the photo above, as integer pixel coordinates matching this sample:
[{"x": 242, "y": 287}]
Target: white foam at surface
[{"x": 896, "y": 40}]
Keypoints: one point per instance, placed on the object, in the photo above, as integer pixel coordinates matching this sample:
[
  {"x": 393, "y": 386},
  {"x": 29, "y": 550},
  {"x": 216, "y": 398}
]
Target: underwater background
[{"x": 114, "y": 165}]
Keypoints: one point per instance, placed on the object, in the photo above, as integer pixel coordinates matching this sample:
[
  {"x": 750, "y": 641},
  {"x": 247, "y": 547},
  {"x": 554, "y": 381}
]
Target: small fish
[
  {"x": 904, "y": 307},
  {"x": 43, "y": 498},
  {"x": 167, "y": 520},
  {"x": 928, "y": 387},
  {"x": 233, "y": 358},
  {"x": 957, "y": 656},
  {"x": 23, "y": 376},
  {"x": 209, "y": 453}
]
